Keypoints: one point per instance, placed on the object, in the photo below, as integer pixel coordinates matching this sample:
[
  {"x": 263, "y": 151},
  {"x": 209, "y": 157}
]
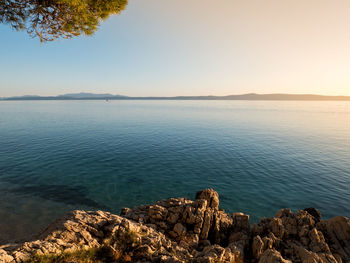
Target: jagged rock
[
  {"x": 241, "y": 222},
  {"x": 305, "y": 256},
  {"x": 317, "y": 241},
  {"x": 207, "y": 222},
  {"x": 157, "y": 212},
  {"x": 277, "y": 227},
  {"x": 337, "y": 235},
  {"x": 300, "y": 239},
  {"x": 315, "y": 213},
  {"x": 182, "y": 230},
  {"x": 304, "y": 218},
  {"x": 4, "y": 257},
  {"x": 222, "y": 225},
  {"x": 179, "y": 229},
  {"x": 76, "y": 230},
  {"x": 286, "y": 212},
  {"x": 257, "y": 247},
  {"x": 211, "y": 196},
  {"x": 237, "y": 252},
  {"x": 214, "y": 253},
  {"x": 272, "y": 256},
  {"x": 125, "y": 211}
]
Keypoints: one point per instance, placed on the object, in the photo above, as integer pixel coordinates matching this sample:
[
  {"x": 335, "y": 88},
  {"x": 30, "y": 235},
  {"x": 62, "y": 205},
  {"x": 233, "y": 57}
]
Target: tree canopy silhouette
[{"x": 53, "y": 19}]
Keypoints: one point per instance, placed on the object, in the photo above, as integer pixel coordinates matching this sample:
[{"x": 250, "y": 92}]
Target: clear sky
[{"x": 191, "y": 47}]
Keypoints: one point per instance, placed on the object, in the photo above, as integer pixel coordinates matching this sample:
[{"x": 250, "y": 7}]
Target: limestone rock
[
  {"x": 277, "y": 227},
  {"x": 272, "y": 256},
  {"x": 257, "y": 247},
  {"x": 210, "y": 196},
  {"x": 181, "y": 230},
  {"x": 337, "y": 234},
  {"x": 241, "y": 222},
  {"x": 315, "y": 213},
  {"x": 4, "y": 257}
]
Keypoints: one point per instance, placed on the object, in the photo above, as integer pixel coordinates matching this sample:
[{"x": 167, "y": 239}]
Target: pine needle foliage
[{"x": 53, "y": 19}]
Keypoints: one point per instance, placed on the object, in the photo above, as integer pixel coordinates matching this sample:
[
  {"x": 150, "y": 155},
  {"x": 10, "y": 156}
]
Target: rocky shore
[{"x": 182, "y": 230}]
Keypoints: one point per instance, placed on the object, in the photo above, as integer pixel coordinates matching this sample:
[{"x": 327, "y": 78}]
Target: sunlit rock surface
[{"x": 182, "y": 230}]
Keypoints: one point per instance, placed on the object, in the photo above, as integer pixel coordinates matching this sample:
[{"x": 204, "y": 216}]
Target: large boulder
[
  {"x": 211, "y": 196},
  {"x": 315, "y": 213},
  {"x": 337, "y": 234},
  {"x": 272, "y": 256},
  {"x": 5, "y": 257}
]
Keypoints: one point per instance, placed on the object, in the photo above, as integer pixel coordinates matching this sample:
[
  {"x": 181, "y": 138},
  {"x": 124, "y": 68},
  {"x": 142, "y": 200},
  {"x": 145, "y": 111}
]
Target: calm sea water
[{"x": 56, "y": 156}]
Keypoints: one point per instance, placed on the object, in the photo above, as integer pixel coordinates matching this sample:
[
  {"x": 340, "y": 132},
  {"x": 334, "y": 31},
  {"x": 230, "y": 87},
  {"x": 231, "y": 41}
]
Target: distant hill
[
  {"x": 84, "y": 95},
  {"x": 250, "y": 96},
  {"x": 310, "y": 97}
]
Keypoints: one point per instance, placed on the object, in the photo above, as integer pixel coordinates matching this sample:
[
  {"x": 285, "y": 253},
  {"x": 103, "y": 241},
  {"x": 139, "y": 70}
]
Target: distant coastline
[{"x": 250, "y": 96}]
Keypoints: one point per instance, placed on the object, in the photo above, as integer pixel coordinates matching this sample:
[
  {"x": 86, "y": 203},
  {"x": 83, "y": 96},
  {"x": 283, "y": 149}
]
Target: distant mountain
[
  {"x": 84, "y": 95},
  {"x": 250, "y": 96},
  {"x": 276, "y": 96}
]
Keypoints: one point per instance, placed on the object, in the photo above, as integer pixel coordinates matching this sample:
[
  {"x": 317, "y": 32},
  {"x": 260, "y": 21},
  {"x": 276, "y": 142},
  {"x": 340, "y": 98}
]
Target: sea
[{"x": 260, "y": 156}]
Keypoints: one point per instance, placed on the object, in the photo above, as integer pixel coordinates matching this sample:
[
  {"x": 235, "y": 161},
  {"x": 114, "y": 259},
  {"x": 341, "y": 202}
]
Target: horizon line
[
  {"x": 174, "y": 96},
  {"x": 247, "y": 96}
]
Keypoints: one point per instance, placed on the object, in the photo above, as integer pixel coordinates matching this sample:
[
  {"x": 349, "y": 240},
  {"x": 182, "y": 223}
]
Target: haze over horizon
[
  {"x": 245, "y": 96},
  {"x": 196, "y": 48}
]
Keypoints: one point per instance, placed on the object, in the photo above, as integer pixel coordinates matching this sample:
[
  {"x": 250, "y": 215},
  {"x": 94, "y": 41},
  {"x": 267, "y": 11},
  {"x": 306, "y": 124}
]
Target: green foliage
[
  {"x": 116, "y": 250},
  {"x": 52, "y": 19},
  {"x": 97, "y": 255},
  {"x": 125, "y": 241}
]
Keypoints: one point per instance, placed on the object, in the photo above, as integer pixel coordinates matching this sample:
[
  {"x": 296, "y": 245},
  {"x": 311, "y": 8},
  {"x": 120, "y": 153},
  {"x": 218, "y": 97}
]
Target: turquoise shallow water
[{"x": 56, "y": 156}]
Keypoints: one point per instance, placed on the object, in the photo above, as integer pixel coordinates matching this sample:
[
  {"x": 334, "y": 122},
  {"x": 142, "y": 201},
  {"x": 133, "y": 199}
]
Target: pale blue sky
[{"x": 197, "y": 47}]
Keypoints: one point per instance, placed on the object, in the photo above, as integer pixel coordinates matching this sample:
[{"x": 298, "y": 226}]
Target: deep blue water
[{"x": 56, "y": 156}]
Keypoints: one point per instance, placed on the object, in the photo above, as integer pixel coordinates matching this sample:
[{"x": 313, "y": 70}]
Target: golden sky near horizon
[{"x": 299, "y": 46}]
